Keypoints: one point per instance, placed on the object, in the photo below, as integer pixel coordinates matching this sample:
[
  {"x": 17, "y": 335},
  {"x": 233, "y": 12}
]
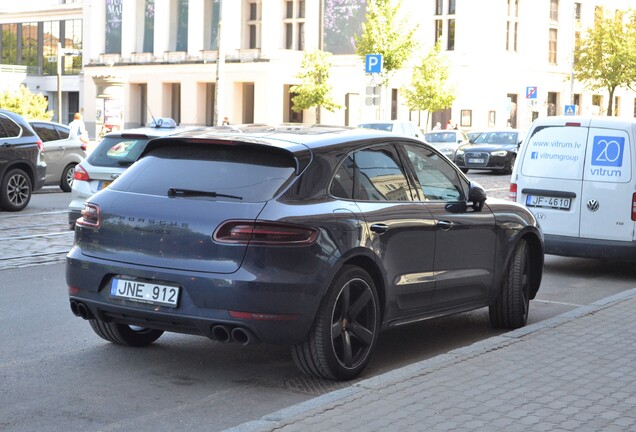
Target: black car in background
[
  {"x": 310, "y": 236},
  {"x": 22, "y": 169},
  {"x": 493, "y": 150}
]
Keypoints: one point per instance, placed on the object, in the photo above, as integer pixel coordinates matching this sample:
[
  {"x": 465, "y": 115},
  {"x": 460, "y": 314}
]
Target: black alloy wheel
[{"x": 346, "y": 329}]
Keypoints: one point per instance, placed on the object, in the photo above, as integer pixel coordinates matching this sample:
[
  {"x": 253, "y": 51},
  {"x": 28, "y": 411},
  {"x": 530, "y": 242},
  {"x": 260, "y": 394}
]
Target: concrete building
[{"x": 510, "y": 60}]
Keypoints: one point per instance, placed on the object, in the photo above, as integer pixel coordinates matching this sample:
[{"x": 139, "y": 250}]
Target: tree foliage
[
  {"x": 606, "y": 57},
  {"x": 385, "y": 32},
  {"x": 32, "y": 106},
  {"x": 429, "y": 89},
  {"x": 314, "y": 89}
]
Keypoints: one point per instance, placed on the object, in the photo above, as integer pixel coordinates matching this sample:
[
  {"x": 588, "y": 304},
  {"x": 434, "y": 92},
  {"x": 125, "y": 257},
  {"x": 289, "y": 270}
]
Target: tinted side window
[
  {"x": 8, "y": 128},
  {"x": 379, "y": 176},
  {"x": 342, "y": 182},
  {"x": 46, "y": 132},
  {"x": 62, "y": 131},
  {"x": 438, "y": 180}
]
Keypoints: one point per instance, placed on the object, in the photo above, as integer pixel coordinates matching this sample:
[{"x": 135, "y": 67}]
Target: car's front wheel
[
  {"x": 122, "y": 334},
  {"x": 511, "y": 308},
  {"x": 345, "y": 330},
  {"x": 16, "y": 190},
  {"x": 66, "y": 182}
]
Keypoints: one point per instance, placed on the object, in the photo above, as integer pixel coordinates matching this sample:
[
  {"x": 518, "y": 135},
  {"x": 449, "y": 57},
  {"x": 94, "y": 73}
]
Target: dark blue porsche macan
[{"x": 311, "y": 236}]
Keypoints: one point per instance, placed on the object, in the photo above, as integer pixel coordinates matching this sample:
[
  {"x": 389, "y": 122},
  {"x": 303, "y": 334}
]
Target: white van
[{"x": 576, "y": 175}]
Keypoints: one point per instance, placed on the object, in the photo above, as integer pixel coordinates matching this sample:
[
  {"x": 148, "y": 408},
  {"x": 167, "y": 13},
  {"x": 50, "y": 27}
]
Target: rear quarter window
[
  {"x": 555, "y": 152},
  {"x": 250, "y": 173},
  {"x": 8, "y": 128},
  {"x": 117, "y": 151}
]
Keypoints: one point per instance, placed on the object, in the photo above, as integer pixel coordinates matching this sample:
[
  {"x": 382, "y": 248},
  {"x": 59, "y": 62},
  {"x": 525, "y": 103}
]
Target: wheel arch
[
  {"x": 369, "y": 265},
  {"x": 24, "y": 166}
]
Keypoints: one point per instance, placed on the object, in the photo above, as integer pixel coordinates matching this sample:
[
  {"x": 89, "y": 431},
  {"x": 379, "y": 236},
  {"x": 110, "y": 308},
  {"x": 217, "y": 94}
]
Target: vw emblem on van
[{"x": 592, "y": 205}]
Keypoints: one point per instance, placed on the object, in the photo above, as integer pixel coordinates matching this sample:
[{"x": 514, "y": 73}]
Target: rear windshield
[
  {"x": 117, "y": 151},
  {"x": 440, "y": 137},
  {"x": 235, "y": 173},
  {"x": 497, "y": 138}
]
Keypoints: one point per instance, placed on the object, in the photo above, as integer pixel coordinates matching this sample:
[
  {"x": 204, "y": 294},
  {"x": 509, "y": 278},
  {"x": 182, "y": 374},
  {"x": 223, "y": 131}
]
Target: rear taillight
[
  {"x": 264, "y": 233},
  {"x": 80, "y": 173},
  {"x": 84, "y": 146},
  {"x": 634, "y": 207},
  {"x": 513, "y": 192},
  {"x": 40, "y": 145},
  {"x": 91, "y": 216}
]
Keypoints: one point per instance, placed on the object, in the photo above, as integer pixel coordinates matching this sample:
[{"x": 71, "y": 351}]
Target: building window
[
  {"x": 211, "y": 24},
  {"x": 113, "y": 27},
  {"x": 492, "y": 118},
  {"x": 634, "y": 107},
  {"x": 617, "y": 106},
  {"x": 9, "y": 43},
  {"x": 553, "y": 102},
  {"x": 72, "y": 41},
  {"x": 439, "y": 7},
  {"x": 51, "y": 35},
  {"x": 451, "y": 7},
  {"x": 466, "y": 119},
  {"x": 294, "y": 24},
  {"x": 577, "y": 13},
  {"x": 29, "y": 45},
  {"x": 512, "y": 25},
  {"x": 182, "y": 26},
  {"x": 552, "y": 48},
  {"x": 148, "y": 44},
  {"x": 438, "y": 30},
  {"x": 554, "y": 10},
  {"x": 253, "y": 24},
  {"x": 451, "y": 35}
]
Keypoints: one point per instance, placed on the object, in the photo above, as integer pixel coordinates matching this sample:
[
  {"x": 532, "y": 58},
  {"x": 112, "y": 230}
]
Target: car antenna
[{"x": 154, "y": 122}]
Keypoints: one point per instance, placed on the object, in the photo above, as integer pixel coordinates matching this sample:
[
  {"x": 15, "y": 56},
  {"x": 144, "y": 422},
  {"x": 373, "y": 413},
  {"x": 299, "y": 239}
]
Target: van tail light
[
  {"x": 513, "y": 192},
  {"x": 84, "y": 146},
  {"x": 264, "y": 233},
  {"x": 80, "y": 173},
  {"x": 40, "y": 145},
  {"x": 634, "y": 207},
  {"x": 91, "y": 216}
]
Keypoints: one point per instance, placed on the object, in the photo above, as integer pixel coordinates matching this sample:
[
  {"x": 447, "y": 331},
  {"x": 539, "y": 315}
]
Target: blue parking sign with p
[{"x": 373, "y": 63}]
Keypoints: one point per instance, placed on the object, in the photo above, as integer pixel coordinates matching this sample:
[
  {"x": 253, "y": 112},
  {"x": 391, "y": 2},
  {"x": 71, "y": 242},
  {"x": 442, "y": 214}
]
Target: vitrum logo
[{"x": 608, "y": 151}]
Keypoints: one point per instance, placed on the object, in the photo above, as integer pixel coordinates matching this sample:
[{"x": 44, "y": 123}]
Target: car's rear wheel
[
  {"x": 123, "y": 334},
  {"x": 16, "y": 190},
  {"x": 511, "y": 308},
  {"x": 66, "y": 182},
  {"x": 346, "y": 328}
]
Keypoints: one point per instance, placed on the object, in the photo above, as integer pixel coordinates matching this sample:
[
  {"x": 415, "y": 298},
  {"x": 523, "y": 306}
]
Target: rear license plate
[
  {"x": 548, "y": 202},
  {"x": 476, "y": 161},
  {"x": 144, "y": 292},
  {"x": 103, "y": 184}
]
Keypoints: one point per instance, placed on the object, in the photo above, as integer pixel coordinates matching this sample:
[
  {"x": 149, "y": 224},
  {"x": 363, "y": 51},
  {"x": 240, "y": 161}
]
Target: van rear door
[
  {"x": 606, "y": 198},
  {"x": 551, "y": 177}
]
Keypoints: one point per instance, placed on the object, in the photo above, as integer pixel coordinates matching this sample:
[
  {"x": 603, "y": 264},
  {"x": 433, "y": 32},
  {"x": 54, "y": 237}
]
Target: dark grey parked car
[
  {"x": 313, "y": 237},
  {"x": 22, "y": 169}
]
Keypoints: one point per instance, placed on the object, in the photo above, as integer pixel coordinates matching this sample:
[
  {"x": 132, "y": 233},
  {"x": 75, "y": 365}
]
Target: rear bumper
[
  {"x": 276, "y": 308},
  {"x": 590, "y": 248},
  {"x": 40, "y": 177}
]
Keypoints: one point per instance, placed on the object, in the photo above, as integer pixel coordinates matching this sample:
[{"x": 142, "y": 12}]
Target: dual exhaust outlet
[{"x": 220, "y": 332}]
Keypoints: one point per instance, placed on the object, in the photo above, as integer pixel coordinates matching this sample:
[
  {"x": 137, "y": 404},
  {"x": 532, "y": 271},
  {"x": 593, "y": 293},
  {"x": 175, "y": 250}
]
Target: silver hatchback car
[{"x": 62, "y": 152}]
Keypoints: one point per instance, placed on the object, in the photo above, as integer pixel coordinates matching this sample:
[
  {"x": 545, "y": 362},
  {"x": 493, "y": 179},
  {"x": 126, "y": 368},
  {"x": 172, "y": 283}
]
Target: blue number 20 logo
[{"x": 608, "y": 151}]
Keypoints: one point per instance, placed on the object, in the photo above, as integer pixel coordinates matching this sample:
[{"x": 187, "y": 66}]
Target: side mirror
[{"x": 476, "y": 196}]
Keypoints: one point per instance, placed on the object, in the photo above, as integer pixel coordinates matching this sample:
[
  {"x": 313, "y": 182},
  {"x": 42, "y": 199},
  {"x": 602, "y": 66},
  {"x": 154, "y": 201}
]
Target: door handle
[
  {"x": 444, "y": 225},
  {"x": 379, "y": 228}
]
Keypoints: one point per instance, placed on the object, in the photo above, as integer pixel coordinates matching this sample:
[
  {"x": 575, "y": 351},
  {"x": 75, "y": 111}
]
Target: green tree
[
  {"x": 384, "y": 32},
  {"x": 314, "y": 89},
  {"x": 32, "y": 106},
  {"x": 606, "y": 57},
  {"x": 429, "y": 90}
]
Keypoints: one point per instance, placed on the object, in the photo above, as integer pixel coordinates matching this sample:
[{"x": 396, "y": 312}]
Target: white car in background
[{"x": 397, "y": 126}]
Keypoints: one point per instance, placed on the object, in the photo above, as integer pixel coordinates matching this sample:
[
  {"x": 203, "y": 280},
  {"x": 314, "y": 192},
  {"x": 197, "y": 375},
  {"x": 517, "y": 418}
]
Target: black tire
[
  {"x": 66, "y": 181},
  {"x": 122, "y": 334},
  {"x": 512, "y": 165},
  {"x": 511, "y": 308},
  {"x": 345, "y": 330},
  {"x": 16, "y": 190}
]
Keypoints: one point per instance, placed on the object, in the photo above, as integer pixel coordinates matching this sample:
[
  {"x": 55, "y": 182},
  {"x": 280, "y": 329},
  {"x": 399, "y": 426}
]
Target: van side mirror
[{"x": 476, "y": 196}]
